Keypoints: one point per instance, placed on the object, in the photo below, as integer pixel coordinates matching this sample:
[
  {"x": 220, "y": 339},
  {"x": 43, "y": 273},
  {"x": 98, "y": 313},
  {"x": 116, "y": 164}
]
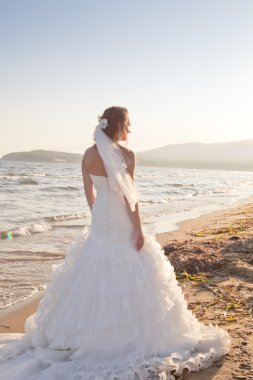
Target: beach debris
[
  {"x": 6, "y": 327},
  {"x": 234, "y": 237},
  {"x": 230, "y": 230},
  {"x": 197, "y": 278},
  {"x": 214, "y": 269},
  {"x": 193, "y": 258}
]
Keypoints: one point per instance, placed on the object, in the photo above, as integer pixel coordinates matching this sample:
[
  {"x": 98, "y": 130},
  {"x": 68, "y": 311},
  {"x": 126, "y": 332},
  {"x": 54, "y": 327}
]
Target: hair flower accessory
[{"x": 103, "y": 123}]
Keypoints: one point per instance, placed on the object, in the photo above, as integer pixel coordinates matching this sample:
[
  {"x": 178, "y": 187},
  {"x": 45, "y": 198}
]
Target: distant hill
[
  {"x": 43, "y": 156},
  {"x": 230, "y": 155}
]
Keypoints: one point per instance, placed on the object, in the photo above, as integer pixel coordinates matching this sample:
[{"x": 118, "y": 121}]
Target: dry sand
[{"x": 213, "y": 257}]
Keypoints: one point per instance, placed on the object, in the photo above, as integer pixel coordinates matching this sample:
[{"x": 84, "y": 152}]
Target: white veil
[{"x": 115, "y": 165}]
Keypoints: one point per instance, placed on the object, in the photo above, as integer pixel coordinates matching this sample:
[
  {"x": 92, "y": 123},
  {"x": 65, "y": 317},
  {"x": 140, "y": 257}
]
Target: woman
[
  {"x": 92, "y": 162},
  {"x": 114, "y": 309}
]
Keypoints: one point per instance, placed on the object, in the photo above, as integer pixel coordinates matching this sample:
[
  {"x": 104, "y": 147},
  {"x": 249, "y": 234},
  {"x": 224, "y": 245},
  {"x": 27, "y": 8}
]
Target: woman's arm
[
  {"x": 88, "y": 184},
  {"x": 135, "y": 215}
]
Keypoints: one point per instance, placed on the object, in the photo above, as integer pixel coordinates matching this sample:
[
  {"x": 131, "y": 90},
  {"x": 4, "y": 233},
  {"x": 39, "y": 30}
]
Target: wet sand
[{"x": 213, "y": 257}]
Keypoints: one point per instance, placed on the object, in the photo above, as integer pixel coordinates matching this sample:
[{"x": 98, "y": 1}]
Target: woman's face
[{"x": 125, "y": 130}]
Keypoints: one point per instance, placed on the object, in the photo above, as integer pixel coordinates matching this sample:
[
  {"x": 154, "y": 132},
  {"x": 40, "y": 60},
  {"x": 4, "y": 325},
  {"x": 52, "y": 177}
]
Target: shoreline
[
  {"x": 195, "y": 223},
  {"x": 201, "y": 217},
  {"x": 26, "y": 307},
  {"x": 179, "y": 232},
  {"x": 220, "y": 291}
]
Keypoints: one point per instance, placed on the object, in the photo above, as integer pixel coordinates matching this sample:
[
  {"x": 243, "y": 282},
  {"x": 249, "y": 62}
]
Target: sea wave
[
  {"x": 57, "y": 188},
  {"x": 70, "y": 226},
  {"x": 27, "y": 230},
  {"x": 56, "y": 218},
  {"x": 154, "y": 201},
  {"x": 34, "y": 259},
  {"x": 62, "y": 176},
  {"x": 43, "y": 225},
  {"x": 27, "y": 181},
  {"x": 9, "y": 301}
]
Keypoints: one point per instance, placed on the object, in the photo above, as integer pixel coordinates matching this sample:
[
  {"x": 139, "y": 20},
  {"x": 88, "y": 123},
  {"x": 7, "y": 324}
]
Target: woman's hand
[{"x": 138, "y": 237}]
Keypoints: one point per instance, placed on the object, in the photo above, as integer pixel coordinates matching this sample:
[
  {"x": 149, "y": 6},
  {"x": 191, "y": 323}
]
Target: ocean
[{"x": 43, "y": 208}]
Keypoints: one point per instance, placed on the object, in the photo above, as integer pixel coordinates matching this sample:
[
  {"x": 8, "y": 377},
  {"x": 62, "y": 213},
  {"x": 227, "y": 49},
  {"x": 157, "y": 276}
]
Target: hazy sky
[{"x": 183, "y": 68}]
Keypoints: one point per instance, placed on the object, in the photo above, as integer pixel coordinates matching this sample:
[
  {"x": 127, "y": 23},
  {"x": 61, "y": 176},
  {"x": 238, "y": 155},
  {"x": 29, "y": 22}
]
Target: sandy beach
[{"x": 212, "y": 256}]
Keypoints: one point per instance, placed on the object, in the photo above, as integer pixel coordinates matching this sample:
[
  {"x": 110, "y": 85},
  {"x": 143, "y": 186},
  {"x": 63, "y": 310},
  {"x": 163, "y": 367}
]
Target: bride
[{"x": 113, "y": 309}]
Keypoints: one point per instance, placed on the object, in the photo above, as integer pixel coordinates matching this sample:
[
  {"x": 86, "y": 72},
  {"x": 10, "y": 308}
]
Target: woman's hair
[{"x": 114, "y": 115}]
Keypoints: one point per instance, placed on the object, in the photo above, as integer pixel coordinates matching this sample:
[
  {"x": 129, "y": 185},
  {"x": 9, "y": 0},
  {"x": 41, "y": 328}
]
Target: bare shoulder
[
  {"x": 90, "y": 152},
  {"x": 128, "y": 152}
]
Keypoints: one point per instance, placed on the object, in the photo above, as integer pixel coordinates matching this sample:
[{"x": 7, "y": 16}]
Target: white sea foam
[
  {"x": 56, "y": 218},
  {"x": 12, "y": 299},
  {"x": 31, "y": 229}
]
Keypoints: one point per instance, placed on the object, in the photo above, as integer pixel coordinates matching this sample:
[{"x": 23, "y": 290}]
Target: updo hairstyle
[{"x": 116, "y": 117}]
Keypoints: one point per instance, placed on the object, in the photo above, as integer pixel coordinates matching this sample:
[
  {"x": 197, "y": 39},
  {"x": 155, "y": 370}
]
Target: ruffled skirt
[{"x": 111, "y": 313}]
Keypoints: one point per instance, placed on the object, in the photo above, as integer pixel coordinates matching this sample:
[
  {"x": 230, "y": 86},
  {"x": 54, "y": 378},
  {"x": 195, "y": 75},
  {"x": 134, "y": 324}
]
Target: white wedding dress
[{"x": 111, "y": 312}]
